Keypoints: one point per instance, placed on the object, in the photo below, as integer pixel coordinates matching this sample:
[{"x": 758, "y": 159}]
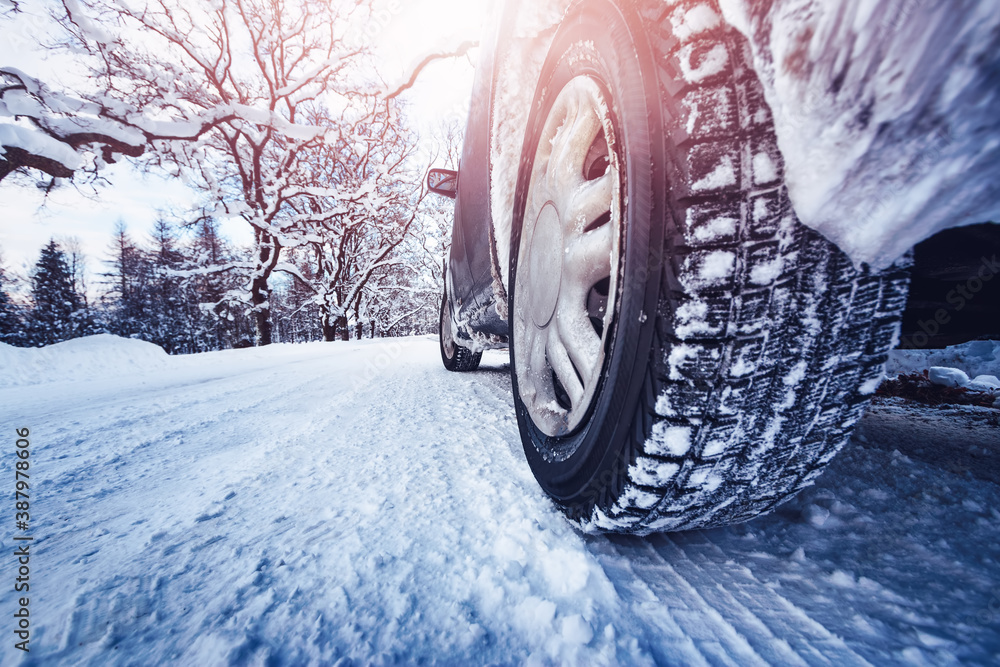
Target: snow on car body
[{"x": 640, "y": 191}]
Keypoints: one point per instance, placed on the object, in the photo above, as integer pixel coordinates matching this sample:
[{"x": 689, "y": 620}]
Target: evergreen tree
[
  {"x": 58, "y": 311},
  {"x": 218, "y": 284},
  {"x": 174, "y": 323},
  {"x": 10, "y": 315},
  {"x": 127, "y": 298}
]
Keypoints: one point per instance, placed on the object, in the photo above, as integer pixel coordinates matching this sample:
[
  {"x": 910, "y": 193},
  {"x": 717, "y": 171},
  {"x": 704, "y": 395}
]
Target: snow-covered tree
[
  {"x": 404, "y": 298},
  {"x": 58, "y": 311},
  {"x": 244, "y": 77},
  {"x": 354, "y": 238},
  {"x": 10, "y": 315},
  {"x": 214, "y": 287},
  {"x": 176, "y": 321},
  {"x": 128, "y": 297},
  {"x": 55, "y": 133}
]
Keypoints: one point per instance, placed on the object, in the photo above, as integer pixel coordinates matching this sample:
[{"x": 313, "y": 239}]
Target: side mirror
[{"x": 443, "y": 182}]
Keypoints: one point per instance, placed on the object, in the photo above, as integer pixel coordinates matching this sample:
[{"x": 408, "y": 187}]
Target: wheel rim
[{"x": 568, "y": 257}]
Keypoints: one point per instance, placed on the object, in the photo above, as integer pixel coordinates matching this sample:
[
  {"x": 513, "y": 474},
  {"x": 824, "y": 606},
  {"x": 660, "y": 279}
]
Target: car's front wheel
[{"x": 684, "y": 352}]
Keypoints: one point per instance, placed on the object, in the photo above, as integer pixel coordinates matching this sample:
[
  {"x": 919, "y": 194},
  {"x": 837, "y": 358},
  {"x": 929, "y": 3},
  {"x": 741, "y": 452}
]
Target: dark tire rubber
[
  {"x": 745, "y": 345},
  {"x": 461, "y": 359}
]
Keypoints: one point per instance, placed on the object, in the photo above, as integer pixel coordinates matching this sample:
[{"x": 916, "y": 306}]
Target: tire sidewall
[
  {"x": 580, "y": 469},
  {"x": 444, "y": 336}
]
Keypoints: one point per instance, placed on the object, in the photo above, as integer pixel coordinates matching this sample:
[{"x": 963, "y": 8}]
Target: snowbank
[
  {"x": 980, "y": 357},
  {"x": 92, "y": 357}
]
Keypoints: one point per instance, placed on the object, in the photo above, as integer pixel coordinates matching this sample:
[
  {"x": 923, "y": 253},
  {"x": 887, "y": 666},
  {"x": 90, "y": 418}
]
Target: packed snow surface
[{"x": 304, "y": 504}]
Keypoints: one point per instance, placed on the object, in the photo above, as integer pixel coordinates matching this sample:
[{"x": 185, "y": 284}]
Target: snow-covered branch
[{"x": 410, "y": 77}]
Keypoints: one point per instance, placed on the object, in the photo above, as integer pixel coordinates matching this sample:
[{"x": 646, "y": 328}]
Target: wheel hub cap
[
  {"x": 566, "y": 281},
  {"x": 546, "y": 265}
]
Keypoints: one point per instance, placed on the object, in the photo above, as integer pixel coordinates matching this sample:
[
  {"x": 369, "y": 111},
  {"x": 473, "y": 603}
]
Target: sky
[{"x": 402, "y": 33}]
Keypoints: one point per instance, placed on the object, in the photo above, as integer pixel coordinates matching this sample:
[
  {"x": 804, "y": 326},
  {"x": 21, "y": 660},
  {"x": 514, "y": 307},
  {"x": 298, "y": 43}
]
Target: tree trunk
[
  {"x": 345, "y": 329},
  {"x": 261, "y": 310},
  {"x": 329, "y": 328}
]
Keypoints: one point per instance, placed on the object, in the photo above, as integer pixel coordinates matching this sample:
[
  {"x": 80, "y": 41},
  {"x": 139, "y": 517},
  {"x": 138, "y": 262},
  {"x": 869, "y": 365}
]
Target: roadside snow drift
[
  {"x": 979, "y": 357},
  {"x": 92, "y": 357}
]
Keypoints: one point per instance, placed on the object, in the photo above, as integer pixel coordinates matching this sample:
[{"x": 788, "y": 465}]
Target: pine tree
[
  {"x": 127, "y": 297},
  {"x": 176, "y": 318},
  {"x": 218, "y": 286},
  {"x": 58, "y": 311},
  {"x": 10, "y": 316}
]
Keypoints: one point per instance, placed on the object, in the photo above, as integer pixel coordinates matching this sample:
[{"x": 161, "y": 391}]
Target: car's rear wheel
[
  {"x": 684, "y": 352},
  {"x": 455, "y": 356}
]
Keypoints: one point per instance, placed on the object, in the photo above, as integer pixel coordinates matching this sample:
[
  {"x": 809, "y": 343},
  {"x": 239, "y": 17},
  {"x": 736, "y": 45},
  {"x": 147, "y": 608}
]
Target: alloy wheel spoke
[
  {"x": 588, "y": 258},
  {"x": 536, "y": 355},
  {"x": 559, "y": 358},
  {"x": 578, "y": 337},
  {"x": 588, "y": 202},
  {"x": 569, "y": 150}
]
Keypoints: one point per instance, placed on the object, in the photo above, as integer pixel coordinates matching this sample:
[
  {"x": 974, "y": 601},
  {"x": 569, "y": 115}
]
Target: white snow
[
  {"x": 690, "y": 319},
  {"x": 355, "y": 502},
  {"x": 947, "y": 377},
  {"x": 717, "y": 227},
  {"x": 764, "y": 170},
  {"x": 768, "y": 272},
  {"x": 90, "y": 29},
  {"x": 689, "y": 22},
  {"x": 38, "y": 143},
  {"x": 696, "y": 65},
  {"x": 723, "y": 176},
  {"x": 99, "y": 357},
  {"x": 884, "y": 112},
  {"x": 711, "y": 268},
  {"x": 670, "y": 440},
  {"x": 985, "y": 383},
  {"x": 981, "y": 357}
]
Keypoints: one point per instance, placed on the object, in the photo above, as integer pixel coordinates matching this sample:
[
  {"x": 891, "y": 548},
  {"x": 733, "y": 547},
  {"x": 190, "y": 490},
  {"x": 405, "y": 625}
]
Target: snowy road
[{"x": 304, "y": 504}]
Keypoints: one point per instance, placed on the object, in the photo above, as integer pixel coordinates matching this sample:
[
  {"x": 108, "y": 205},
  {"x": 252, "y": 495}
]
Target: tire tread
[{"x": 756, "y": 436}]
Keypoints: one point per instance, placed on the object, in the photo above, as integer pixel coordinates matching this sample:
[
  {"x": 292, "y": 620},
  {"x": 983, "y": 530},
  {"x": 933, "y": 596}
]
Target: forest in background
[{"x": 275, "y": 113}]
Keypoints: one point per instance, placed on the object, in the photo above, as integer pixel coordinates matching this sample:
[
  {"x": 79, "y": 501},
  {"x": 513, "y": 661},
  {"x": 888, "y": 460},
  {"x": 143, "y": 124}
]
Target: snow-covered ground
[
  {"x": 975, "y": 359},
  {"x": 306, "y": 504}
]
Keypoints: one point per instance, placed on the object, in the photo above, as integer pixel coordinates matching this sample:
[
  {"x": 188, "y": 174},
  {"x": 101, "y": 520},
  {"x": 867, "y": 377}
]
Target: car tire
[
  {"x": 456, "y": 357},
  {"x": 736, "y": 348}
]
